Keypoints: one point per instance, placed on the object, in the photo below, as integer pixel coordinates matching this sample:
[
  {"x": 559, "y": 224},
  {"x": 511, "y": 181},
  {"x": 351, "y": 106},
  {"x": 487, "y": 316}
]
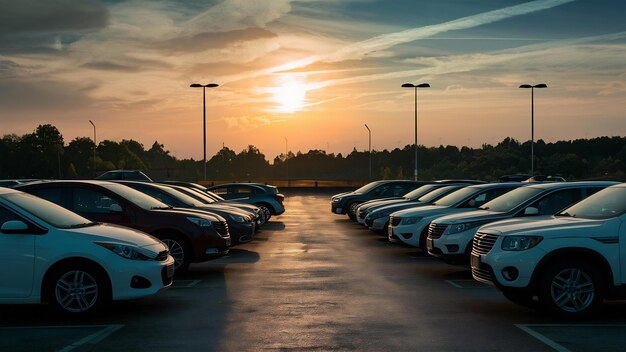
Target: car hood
[
  {"x": 375, "y": 204},
  {"x": 119, "y": 234},
  {"x": 554, "y": 226},
  {"x": 428, "y": 210},
  {"x": 189, "y": 212},
  {"x": 399, "y": 206},
  {"x": 341, "y": 194},
  {"x": 472, "y": 216}
]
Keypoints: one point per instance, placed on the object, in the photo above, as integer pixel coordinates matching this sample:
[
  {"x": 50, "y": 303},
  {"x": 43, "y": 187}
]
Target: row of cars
[
  {"x": 556, "y": 246},
  {"x": 80, "y": 244}
]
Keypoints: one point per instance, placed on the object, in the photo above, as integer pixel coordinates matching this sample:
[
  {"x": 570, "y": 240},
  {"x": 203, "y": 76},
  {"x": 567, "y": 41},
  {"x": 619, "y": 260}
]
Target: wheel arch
[
  {"x": 74, "y": 261},
  {"x": 169, "y": 231},
  {"x": 576, "y": 253}
]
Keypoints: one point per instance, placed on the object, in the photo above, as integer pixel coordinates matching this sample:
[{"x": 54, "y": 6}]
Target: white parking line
[
  {"x": 473, "y": 284},
  {"x": 527, "y": 328},
  {"x": 93, "y": 338}
]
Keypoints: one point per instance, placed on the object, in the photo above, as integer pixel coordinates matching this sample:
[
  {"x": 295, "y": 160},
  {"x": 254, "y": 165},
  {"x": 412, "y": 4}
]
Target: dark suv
[{"x": 191, "y": 236}]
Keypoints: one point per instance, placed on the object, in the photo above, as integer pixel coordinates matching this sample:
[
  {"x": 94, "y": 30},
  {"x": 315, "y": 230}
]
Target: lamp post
[
  {"x": 415, "y": 86},
  {"x": 532, "y": 123},
  {"x": 286, "y": 161},
  {"x": 370, "y": 149},
  {"x": 94, "y": 145},
  {"x": 204, "y": 86}
]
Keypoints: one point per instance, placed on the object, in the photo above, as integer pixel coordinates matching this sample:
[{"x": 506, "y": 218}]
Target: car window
[
  {"x": 602, "y": 205},
  {"x": 243, "y": 191},
  {"x": 53, "y": 195},
  {"x": 6, "y": 215},
  {"x": 91, "y": 201},
  {"x": 556, "y": 201},
  {"x": 220, "y": 191}
]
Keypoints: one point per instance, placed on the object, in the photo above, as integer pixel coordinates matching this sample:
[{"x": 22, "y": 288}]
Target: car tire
[
  {"x": 78, "y": 289},
  {"x": 571, "y": 288},
  {"x": 179, "y": 250},
  {"x": 352, "y": 210},
  {"x": 266, "y": 209},
  {"x": 522, "y": 298}
]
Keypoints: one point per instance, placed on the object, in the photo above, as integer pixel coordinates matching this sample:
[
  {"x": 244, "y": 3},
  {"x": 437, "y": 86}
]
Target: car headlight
[
  {"x": 520, "y": 243},
  {"x": 124, "y": 250},
  {"x": 456, "y": 228},
  {"x": 237, "y": 218},
  {"x": 201, "y": 222},
  {"x": 337, "y": 200},
  {"x": 411, "y": 220}
]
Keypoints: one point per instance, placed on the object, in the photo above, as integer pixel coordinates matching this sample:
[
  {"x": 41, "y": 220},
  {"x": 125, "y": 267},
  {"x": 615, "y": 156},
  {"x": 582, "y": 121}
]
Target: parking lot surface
[{"x": 312, "y": 280}]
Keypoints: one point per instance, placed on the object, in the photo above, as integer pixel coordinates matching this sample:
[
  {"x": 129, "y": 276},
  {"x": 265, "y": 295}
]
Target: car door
[{"x": 17, "y": 259}]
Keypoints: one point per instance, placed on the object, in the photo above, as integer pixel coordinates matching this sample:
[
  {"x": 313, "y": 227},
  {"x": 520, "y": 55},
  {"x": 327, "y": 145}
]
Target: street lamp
[
  {"x": 204, "y": 86},
  {"x": 370, "y": 149},
  {"x": 286, "y": 161},
  {"x": 411, "y": 85},
  {"x": 532, "y": 123},
  {"x": 94, "y": 145}
]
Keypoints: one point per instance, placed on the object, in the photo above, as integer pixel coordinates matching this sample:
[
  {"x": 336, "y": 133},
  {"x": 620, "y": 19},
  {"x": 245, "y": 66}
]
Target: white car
[
  {"x": 50, "y": 254},
  {"x": 450, "y": 237},
  {"x": 411, "y": 225},
  {"x": 569, "y": 262}
]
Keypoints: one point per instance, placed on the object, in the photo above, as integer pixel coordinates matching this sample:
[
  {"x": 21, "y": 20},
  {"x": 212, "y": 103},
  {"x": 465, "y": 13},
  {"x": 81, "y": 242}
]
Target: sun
[{"x": 290, "y": 96}]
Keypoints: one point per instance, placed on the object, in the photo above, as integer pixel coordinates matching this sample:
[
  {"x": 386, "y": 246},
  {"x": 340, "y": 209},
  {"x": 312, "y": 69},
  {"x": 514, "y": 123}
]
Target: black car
[
  {"x": 191, "y": 236},
  {"x": 240, "y": 223}
]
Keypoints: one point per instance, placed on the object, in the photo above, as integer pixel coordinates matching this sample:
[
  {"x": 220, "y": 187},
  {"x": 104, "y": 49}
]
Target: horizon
[{"x": 305, "y": 75}]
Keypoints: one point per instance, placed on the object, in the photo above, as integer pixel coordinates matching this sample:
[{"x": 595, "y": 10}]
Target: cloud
[
  {"x": 233, "y": 15},
  {"x": 51, "y": 16},
  {"x": 204, "y": 41},
  {"x": 247, "y": 122}
]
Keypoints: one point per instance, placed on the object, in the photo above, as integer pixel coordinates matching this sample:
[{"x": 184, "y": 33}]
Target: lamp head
[
  {"x": 541, "y": 85},
  {"x": 408, "y": 85},
  {"x": 195, "y": 85},
  {"x": 423, "y": 85},
  {"x": 525, "y": 86}
]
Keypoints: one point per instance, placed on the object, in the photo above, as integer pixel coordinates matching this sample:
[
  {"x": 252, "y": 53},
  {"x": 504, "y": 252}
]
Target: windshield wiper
[
  {"x": 565, "y": 214},
  {"x": 483, "y": 208}
]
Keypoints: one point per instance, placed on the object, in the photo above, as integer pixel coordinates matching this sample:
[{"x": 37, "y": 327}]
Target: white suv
[
  {"x": 450, "y": 237},
  {"x": 567, "y": 263}
]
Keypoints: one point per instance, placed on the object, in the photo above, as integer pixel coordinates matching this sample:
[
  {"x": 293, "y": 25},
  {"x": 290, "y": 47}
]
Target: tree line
[{"x": 44, "y": 154}]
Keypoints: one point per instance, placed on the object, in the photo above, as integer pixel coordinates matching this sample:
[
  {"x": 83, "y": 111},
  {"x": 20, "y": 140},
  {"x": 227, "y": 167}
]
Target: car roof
[
  {"x": 4, "y": 190},
  {"x": 558, "y": 185},
  {"x": 497, "y": 185}
]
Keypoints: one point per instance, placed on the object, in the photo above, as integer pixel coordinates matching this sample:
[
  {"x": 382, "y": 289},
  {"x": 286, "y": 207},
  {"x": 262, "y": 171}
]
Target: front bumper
[
  {"x": 451, "y": 247},
  {"x": 121, "y": 273}
]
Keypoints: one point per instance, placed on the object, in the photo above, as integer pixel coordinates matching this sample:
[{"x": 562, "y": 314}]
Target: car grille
[
  {"x": 435, "y": 231},
  {"x": 162, "y": 255},
  {"x": 482, "y": 243},
  {"x": 394, "y": 221},
  {"x": 483, "y": 274},
  {"x": 221, "y": 227}
]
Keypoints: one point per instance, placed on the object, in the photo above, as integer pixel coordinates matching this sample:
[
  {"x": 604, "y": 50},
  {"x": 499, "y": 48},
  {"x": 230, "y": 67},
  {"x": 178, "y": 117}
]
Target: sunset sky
[{"x": 308, "y": 74}]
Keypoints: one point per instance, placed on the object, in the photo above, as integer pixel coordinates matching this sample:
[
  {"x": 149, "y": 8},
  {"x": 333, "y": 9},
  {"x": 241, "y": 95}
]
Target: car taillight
[{"x": 279, "y": 198}]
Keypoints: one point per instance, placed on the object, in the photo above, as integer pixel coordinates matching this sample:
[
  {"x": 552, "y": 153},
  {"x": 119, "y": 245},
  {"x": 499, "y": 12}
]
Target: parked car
[
  {"x": 14, "y": 182},
  {"x": 450, "y": 237},
  {"x": 378, "y": 217},
  {"x": 566, "y": 264},
  {"x": 133, "y": 175},
  {"x": 364, "y": 208},
  {"x": 265, "y": 197},
  {"x": 240, "y": 223},
  {"x": 411, "y": 225},
  {"x": 347, "y": 202},
  {"x": 190, "y": 236},
  {"x": 50, "y": 254},
  {"x": 207, "y": 197}
]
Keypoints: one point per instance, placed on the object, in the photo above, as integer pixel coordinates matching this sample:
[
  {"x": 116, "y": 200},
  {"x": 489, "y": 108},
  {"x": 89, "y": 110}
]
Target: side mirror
[
  {"x": 13, "y": 227},
  {"x": 531, "y": 211},
  {"x": 115, "y": 208}
]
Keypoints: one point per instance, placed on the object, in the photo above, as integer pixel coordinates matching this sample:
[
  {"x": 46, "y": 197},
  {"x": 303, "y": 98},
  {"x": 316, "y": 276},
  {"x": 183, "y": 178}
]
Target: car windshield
[
  {"x": 418, "y": 192},
  {"x": 456, "y": 196},
  {"x": 181, "y": 196},
  {"x": 368, "y": 187},
  {"x": 512, "y": 199},
  {"x": 49, "y": 212},
  {"x": 436, "y": 194},
  {"x": 142, "y": 200},
  {"x": 607, "y": 203}
]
